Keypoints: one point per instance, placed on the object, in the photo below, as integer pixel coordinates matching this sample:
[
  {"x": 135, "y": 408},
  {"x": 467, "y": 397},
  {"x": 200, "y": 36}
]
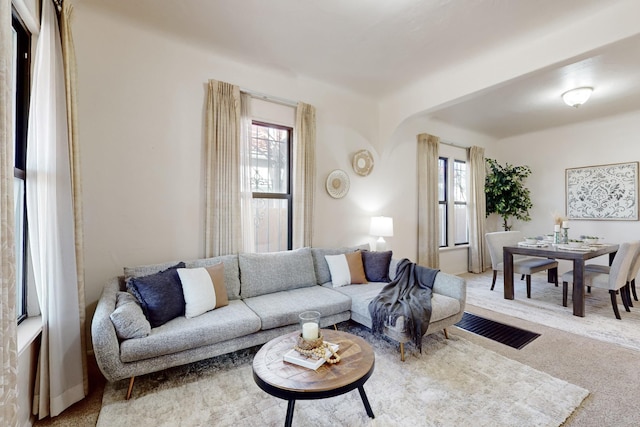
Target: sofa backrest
[
  {"x": 231, "y": 271},
  {"x": 265, "y": 273}
]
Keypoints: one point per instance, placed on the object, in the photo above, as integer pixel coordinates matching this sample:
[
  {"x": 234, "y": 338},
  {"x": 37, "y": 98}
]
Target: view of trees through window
[{"x": 271, "y": 186}]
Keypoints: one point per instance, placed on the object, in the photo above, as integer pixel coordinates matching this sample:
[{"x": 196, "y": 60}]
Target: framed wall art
[{"x": 604, "y": 192}]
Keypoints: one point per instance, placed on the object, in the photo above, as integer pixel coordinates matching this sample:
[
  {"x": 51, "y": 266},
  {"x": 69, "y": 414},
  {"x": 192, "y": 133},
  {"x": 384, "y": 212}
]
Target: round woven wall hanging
[{"x": 338, "y": 184}]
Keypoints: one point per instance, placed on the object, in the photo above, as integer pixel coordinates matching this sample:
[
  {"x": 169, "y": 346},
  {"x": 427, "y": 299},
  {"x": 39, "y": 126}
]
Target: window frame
[
  {"x": 444, "y": 201},
  {"x": 288, "y": 195},
  {"x": 459, "y": 202},
  {"x": 21, "y": 114},
  {"x": 449, "y": 202}
]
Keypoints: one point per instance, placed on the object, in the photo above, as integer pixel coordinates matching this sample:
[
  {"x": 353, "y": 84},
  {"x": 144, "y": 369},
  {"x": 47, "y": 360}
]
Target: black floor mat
[{"x": 505, "y": 334}]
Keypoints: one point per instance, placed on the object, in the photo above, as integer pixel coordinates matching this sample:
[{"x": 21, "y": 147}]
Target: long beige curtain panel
[
  {"x": 71, "y": 79},
  {"x": 305, "y": 175},
  {"x": 223, "y": 229},
  {"x": 428, "y": 215},
  {"x": 8, "y": 337},
  {"x": 477, "y": 209}
]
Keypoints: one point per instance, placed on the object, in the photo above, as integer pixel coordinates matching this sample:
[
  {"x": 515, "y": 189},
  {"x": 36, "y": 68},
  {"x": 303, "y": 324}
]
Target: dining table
[{"x": 556, "y": 251}]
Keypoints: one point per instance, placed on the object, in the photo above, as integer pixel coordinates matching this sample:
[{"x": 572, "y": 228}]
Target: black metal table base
[{"x": 291, "y": 405}]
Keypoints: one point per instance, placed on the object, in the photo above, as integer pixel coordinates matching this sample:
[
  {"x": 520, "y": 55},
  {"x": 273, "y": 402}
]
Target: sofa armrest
[
  {"x": 451, "y": 286},
  {"x": 106, "y": 346}
]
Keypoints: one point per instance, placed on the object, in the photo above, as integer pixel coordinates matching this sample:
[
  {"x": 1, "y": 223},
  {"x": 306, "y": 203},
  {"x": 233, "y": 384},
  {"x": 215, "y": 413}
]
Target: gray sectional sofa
[{"x": 266, "y": 292}]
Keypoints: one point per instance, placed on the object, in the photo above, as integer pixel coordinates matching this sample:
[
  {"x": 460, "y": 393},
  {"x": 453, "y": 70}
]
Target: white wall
[
  {"x": 141, "y": 106},
  {"x": 549, "y": 153}
]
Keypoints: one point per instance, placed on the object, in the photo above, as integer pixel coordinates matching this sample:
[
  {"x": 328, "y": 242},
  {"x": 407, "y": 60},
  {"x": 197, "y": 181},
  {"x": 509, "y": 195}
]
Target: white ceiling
[{"x": 377, "y": 47}]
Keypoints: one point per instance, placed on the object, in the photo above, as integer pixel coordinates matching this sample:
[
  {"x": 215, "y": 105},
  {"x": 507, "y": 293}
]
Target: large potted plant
[{"x": 505, "y": 192}]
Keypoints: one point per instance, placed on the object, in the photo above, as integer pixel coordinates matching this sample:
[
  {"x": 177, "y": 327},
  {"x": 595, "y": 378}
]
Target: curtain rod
[
  {"x": 453, "y": 144},
  {"x": 269, "y": 98}
]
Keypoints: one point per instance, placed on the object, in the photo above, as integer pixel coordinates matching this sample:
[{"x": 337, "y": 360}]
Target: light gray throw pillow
[{"x": 128, "y": 318}]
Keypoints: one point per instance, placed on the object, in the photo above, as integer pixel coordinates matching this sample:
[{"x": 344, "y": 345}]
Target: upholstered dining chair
[
  {"x": 524, "y": 265},
  {"x": 631, "y": 277},
  {"x": 616, "y": 279}
]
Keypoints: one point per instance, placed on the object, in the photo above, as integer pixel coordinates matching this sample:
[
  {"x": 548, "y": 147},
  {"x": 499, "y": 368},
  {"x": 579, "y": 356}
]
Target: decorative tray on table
[
  {"x": 540, "y": 244},
  {"x": 577, "y": 248},
  {"x": 311, "y": 362}
]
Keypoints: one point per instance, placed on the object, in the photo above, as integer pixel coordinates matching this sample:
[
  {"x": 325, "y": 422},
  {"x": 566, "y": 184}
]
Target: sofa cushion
[
  {"x": 442, "y": 306},
  {"x": 231, "y": 272},
  {"x": 282, "y": 308},
  {"x": 203, "y": 289},
  {"x": 346, "y": 269},
  {"x": 225, "y": 323},
  {"x": 266, "y": 273},
  {"x": 323, "y": 274},
  {"x": 376, "y": 265},
  {"x": 128, "y": 318},
  {"x": 160, "y": 295}
]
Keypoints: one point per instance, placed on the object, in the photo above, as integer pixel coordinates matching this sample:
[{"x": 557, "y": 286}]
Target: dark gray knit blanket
[{"x": 408, "y": 295}]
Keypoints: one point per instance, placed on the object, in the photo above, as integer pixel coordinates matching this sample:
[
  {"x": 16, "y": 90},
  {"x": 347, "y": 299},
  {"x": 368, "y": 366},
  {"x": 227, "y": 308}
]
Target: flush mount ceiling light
[{"x": 577, "y": 97}]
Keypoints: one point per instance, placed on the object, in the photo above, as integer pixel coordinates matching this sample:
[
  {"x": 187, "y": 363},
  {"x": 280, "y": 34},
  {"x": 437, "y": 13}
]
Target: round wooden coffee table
[{"x": 292, "y": 382}]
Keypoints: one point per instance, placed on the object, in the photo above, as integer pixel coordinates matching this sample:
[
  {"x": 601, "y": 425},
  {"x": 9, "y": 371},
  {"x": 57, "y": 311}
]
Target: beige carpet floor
[
  {"x": 545, "y": 308},
  {"x": 610, "y": 372},
  {"x": 452, "y": 383}
]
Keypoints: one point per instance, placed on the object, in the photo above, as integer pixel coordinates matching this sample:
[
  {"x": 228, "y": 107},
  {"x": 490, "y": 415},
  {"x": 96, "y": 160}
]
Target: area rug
[
  {"x": 452, "y": 383},
  {"x": 545, "y": 307}
]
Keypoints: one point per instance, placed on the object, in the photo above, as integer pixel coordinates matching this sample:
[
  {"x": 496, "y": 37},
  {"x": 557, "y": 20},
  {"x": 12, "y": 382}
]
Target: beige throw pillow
[
  {"x": 203, "y": 289},
  {"x": 346, "y": 269}
]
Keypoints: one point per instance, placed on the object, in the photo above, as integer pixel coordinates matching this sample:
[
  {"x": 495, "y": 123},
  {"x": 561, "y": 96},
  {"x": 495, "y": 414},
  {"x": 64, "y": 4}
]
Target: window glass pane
[
  {"x": 269, "y": 159},
  {"x": 442, "y": 182},
  {"x": 271, "y": 224},
  {"x": 459, "y": 181},
  {"x": 460, "y": 226},
  {"x": 18, "y": 204},
  {"x": 443, "y": 224}
]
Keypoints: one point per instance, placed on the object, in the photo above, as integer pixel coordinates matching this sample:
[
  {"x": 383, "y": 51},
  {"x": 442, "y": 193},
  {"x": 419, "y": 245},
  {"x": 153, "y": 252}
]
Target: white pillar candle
[
  {"x": 565, "y": 224},
  {"x": 556, "y": 228},
  {"x": 310, "y": 331}
]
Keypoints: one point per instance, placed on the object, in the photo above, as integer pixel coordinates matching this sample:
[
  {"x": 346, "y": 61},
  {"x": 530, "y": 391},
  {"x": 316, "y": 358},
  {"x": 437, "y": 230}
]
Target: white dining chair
[
  {"x": 615, "y": 280},
  {"x": 525, "y": 265},
  {"x": 631, "y": 277}
]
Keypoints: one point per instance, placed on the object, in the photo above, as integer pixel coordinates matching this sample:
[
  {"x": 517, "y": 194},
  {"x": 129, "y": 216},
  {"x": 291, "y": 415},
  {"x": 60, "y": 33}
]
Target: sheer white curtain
[
  {"x": 246, "y": 194},
  {"x": 8, "y": 338},
  {"x": 477, "y": 209},
  {"x": 60, "y": 380},
  {"x": 428, "y": 214},
  {"x": 304, "y": 155},
  {"x": 223, "y": 230}
]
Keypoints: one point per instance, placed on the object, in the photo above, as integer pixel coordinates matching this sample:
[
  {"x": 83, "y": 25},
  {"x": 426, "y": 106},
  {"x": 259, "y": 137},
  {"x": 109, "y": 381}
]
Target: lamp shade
[
  {"x": 577, "y": 97},
  {"x": 381, "y": 226}
]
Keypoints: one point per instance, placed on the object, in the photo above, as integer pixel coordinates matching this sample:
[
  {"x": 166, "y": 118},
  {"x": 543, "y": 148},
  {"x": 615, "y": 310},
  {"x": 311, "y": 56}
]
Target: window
[
  {"x": 453, "y": 210},
  {"x": 461, "y": 233},
  {"x": 271, "y": 154},
  {"x": 22, "y": 80},
  {"x": 442, "y": 199}
]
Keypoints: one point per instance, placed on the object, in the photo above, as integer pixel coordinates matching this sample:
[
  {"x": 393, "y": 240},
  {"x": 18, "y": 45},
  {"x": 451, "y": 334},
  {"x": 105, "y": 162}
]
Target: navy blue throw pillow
[
  {"x": 160, "y": 295},
  {"x": 376, "y": 265}
]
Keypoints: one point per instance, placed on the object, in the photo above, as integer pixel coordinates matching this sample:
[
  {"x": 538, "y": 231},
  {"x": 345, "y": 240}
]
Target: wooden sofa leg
[
  {"x": 335, "y": 328},
  {"x": 402, "y": 351},
  {"x": 446, "y": 334},
  {"x": 130, "y": 389}
]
